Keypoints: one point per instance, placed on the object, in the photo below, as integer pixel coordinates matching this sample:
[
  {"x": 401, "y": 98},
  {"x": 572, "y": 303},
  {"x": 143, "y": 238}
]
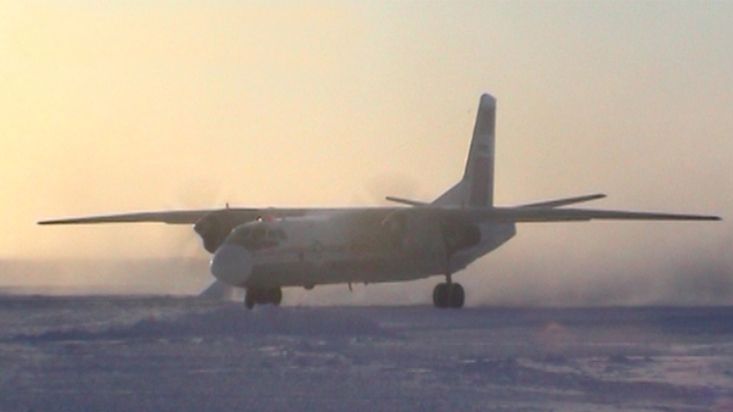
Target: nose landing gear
[
  {"x": 449, "y": 295},
  {"x": 263, "y": 296}
]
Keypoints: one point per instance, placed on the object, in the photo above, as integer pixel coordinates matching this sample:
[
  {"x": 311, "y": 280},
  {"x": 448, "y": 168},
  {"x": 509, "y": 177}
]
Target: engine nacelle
[{"x": 214, "y": 229}]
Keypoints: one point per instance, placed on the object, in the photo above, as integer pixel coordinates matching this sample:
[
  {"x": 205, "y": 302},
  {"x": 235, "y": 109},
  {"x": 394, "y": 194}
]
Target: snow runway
[{"x": 184, "y": 354}]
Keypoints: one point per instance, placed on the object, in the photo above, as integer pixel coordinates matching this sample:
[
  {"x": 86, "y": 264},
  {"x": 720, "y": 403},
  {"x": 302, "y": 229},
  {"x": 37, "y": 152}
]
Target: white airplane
[{"x": 265, "y": 249}]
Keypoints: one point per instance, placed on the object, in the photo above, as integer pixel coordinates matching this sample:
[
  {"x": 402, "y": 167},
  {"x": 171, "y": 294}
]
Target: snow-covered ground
[{"x": 102, "y": 353}]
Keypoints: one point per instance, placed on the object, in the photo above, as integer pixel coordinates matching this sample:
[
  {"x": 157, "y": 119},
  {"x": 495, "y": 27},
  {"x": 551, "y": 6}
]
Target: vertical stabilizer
[{"x": 476, "y": 189}]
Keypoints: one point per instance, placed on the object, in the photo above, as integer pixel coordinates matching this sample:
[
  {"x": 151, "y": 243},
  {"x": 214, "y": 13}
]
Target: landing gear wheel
[
  {"x": 275, "y": 296},
  {"x": 449, "y": 295},
  {"x": 457, "y": 296},
  {"x": 249, "y": 299},
  {"x": 440, "y": 295},
  {"x": 263, "y": 296}
]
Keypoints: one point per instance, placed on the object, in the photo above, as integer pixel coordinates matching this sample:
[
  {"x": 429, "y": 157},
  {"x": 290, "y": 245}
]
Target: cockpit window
[
  {"x": 241, "y": 234},
  {"x": 278, "y": 234},
  {"x": 257, "y": 236}
]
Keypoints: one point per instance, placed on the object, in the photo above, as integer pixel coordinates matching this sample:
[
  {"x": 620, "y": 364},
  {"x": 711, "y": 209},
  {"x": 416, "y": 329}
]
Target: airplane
[{"x": 266, "y": 249}]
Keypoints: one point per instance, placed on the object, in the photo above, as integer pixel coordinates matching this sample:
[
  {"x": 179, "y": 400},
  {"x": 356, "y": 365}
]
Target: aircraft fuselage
[{"x": 347, "y": 247}]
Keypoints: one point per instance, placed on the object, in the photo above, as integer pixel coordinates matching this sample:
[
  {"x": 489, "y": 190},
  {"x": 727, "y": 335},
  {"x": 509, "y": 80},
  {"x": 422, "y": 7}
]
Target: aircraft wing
[
  {"x": 189, "y": 217},
  {"x": 497, "y": 214},
  {"x": 174, "y": 217},
  {"x": 536, "y": 214}
]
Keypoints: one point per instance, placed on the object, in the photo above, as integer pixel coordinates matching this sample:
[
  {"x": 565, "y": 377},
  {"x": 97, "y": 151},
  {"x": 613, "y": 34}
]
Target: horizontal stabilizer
[
  {"x": 406, "y": 201},
  {"x": 566, "y": 201}
]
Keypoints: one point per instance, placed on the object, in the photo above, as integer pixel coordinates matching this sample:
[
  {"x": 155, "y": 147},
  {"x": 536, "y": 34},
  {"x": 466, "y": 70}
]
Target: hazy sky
[{"x": 116, "y": 106}]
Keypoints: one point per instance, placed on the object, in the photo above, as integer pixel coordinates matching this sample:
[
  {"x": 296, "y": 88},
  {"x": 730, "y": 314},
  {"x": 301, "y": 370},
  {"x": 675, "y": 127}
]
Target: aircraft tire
[
  {"x": 440, "y": 295},
  {"x": 249, "y": 299},
  {"x": 276, "y": 296},
  {"x": 456, "y": 295}
]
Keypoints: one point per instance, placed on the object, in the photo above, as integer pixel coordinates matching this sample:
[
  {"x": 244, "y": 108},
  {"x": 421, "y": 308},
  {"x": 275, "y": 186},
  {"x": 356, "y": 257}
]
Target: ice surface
[{"x": 184, "y": 354}]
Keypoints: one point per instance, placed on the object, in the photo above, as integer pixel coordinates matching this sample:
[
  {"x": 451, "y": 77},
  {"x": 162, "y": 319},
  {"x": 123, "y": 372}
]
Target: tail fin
[{"x": 476, "y": 189}]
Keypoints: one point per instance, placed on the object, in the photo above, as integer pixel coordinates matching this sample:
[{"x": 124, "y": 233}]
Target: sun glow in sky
[{"x": 122, "y": 106}]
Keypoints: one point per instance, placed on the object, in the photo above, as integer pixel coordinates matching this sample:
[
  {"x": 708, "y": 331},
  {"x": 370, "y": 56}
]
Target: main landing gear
[
  {"x": 449, "y": 295},
  {"x": 263, "y": 296}
]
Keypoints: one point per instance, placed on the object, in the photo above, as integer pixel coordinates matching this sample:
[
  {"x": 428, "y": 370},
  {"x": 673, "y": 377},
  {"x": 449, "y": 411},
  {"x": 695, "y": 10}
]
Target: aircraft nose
[{"x": 231, "y": 264}]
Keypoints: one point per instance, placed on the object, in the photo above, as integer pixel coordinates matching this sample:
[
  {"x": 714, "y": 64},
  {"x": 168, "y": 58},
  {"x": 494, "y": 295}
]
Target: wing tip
[
  {"x": 48, "y": 222},
  {"x": 709, "y": 218}
]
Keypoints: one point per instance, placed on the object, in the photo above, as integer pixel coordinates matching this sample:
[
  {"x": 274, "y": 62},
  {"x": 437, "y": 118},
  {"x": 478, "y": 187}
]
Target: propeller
[{"x": 200, "y": 194}]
